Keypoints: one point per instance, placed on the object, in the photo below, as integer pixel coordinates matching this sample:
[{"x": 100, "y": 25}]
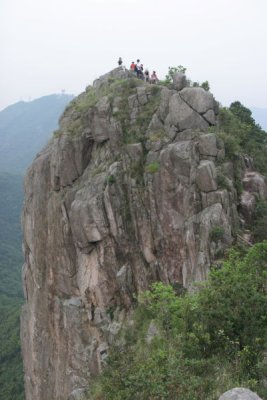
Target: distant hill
[
  {"x": 10, "y": 234},
  {"x": 25, "y": 127},
  {"x": 260, "y": 116}
]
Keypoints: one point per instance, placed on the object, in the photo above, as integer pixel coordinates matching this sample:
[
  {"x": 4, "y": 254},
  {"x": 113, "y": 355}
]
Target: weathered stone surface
[
  {"x": 199, "y": 99},
  {"x": 206, "y": 176},
  {"x": 78, "y": 394},
  {"x": 254, "y": 182},
  {"x": 208, "y": 145},
  {"x": 247, "y": 203},
  {"x": 152, "y": 332},
  {"x": 183, "y": 116},
  {"x": 239, "y": 394},
  {"x": 210, "y": 117},
  {"x": 179, "y": 81},
  {"x": 106, "y": 214}
]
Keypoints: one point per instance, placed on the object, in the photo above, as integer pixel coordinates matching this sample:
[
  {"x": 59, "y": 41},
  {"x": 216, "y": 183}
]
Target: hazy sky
[{"x": 50, "y": 45}]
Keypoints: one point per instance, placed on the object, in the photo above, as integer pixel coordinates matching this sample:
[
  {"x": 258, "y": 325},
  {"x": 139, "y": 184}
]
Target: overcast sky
[{"x": 51, "y": 45}]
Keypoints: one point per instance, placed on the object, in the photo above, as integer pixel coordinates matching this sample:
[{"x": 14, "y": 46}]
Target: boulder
[
  {"x": 179, "y": 81},
  {"x": 210, "y": 117},
  {"x": 207, "y": 145},
  {"x": 199, "y": 99},
  {"x": 254, "y": 182},
  {"x": 182, "y": 116},
  {"x": 78, "y": 394},
  {"x": 206, "y": 177},
  {"x": 239, "y": 394}
]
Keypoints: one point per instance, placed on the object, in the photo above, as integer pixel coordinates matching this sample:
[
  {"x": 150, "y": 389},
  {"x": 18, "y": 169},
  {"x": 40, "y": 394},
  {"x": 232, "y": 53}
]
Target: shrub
[
  {"x": 206, "y": 342},
  {"x": 205, "y": 85},
  {"x": 111, "y": 179},
  {"x": 216, "y": 233},
  {"x": 259, "y": 218},
  {"x": 172, "y": 71},
  {"x": 153, "y": 167}
]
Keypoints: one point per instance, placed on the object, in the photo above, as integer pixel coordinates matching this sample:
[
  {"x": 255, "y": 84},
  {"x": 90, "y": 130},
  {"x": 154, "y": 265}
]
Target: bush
[
  {"x": 241, "y": 134},
  {"x": 216, "y": 233},
  {"x": 111, "y": 179},
  {"x": 172, "y": 71},
  {"x": 206, "y": 342},
  {"x": 153, "y": 167},
  {"x": 259, "y": 218}
]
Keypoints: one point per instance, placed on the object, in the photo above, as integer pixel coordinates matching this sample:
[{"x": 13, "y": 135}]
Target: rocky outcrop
[
  {"x": 239, "y": 394},
  {"x": 254, "y": 189},
  {"x": 127, "y": 193}
]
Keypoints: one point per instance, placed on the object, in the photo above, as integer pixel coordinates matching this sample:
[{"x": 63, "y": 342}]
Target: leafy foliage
[
  {"x": 259, "y": 219},
  {"x": 11, "y": 372},
  {"x": 216, "y": 233},
  {"x": 153, "y": 167},
  {"x": 203, "y": 343},
  {"x": 10, "y": 235},
  {"x": 172, "y": 71},
  {"x": 241, "y": 134}
]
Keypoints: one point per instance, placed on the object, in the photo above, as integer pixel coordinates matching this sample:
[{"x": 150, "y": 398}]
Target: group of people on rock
[{"x": 140, "y": 72}]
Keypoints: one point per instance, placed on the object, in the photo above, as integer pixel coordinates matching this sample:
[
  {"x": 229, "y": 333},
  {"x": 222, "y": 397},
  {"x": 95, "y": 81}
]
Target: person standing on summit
[
  {"x": 132, "y": 66},
  {"x": 138, "y": 69},
  {"x": 120, "y": 61}
]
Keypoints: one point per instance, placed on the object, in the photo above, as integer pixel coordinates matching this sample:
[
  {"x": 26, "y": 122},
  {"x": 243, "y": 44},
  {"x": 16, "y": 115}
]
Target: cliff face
[{"x": 128, "y": 192}]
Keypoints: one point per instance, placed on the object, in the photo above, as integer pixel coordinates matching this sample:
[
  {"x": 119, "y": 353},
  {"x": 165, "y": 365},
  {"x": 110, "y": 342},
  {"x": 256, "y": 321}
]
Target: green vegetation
[
  {"x": 11, "y": 260},
  {"x": 172, "y": 71},
  {"x": 10, "y": 235},
  {"x": 216, "y": 233},
  {"x": 135, "y": 132},
  {"x": 259, "y": 221},
  {"x": 241, "y": 134},
  {"x": 11, "y": 370},
  {"x": 194, "y": 346},
  {"x": 153, "y": 167},
  {"x": 111, "y": 179}
]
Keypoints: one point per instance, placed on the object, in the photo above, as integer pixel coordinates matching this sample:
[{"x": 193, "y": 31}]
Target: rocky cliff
[{"x": 133, "y": 188}]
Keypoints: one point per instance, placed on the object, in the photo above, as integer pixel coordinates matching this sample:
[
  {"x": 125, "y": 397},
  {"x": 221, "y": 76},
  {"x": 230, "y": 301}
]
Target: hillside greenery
[
  {"x": 24, "y": 128},
  {"x": 11, "y": 299},
  {"x": 241, "y": 134},
  {"x": 10, "y": 235},
  {"x": 194, "y": 346},
  {"x": 11, "y": 370}
]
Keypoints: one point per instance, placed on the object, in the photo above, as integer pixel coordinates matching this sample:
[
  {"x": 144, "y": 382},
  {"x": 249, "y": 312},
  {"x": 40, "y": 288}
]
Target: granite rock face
[{"x": 124, "y": 195}]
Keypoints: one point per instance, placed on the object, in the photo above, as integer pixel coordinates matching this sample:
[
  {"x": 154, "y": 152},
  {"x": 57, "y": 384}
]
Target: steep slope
[
  {"x": 127, "y": 193},
  {"x": 25, "y": 128}
]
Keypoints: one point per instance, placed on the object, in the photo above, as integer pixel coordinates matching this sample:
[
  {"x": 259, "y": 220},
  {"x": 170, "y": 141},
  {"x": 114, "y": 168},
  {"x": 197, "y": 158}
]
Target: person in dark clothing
[
  {"x": 146, "y": 74},
  {"x": 120, "y": 61}
]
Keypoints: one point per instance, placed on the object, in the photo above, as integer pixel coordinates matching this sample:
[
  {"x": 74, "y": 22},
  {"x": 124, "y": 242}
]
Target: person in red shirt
[{"x": 132, "y": 66}]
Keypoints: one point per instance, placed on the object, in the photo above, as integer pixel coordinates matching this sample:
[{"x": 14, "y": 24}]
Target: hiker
[
  {"x": 154, "y": 78},
  {"x": 120, "y": 61},
  {"x": 132, "y": 66},
  {"x": 146, "y": 75},
  {"x": 138, "y": 69}
]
